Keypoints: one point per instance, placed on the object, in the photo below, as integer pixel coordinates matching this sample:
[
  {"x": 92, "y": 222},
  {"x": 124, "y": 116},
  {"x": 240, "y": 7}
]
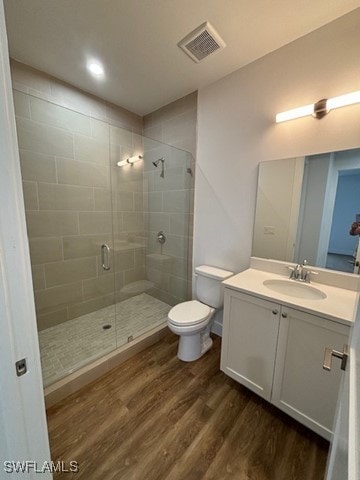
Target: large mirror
[{"x": 305, "y": 207}]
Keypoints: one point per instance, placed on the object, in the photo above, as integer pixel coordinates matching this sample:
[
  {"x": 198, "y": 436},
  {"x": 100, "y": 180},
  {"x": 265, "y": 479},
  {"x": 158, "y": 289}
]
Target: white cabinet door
[
  {"x": 302, "y": 388},
  {"x": 250, "y": 332}
]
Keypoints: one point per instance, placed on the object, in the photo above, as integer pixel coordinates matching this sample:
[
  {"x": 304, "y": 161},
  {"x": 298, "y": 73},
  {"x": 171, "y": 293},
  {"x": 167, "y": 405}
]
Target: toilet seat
[{"x": 189, "y": 313}]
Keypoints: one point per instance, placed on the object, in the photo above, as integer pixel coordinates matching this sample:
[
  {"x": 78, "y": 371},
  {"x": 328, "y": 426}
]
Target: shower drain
[{"x": 106, "y": 327}]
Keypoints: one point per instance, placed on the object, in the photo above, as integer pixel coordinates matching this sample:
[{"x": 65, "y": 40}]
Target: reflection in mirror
[{"x": 305, "y": 207}]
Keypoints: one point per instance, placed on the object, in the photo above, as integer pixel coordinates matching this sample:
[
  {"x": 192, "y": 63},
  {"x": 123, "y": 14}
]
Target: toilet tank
[{"x": 209, "y": 289}]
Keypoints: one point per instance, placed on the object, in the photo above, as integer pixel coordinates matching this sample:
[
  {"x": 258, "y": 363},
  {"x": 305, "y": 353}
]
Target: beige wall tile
[
  {"x": 69, "y": 271},
  {"x": 175, "y": 178},
  {"x": 176, "y": 201},
  {"x": 102, "y": 198},
  {"x": 99, "y": 287},
  {"x": 138, "y": 201},
  {"x": 139, "y": 257},
  {"x": 91, "y": 306},
  {"x": 95, "y": 223},
  {"x": 176, "y": 245},
  {"x": 179, "y": 127},
  {"x": 51, "y": 319},
  {"x": 51, "y": 224},
  {"x": 130, "y": 186},
  {"x": 84, "y": 245},
  {"x": 159, "y": 221},
  {"x": 120, "y": 136},
  {"x": 51, "y": 114},
  {"x": 155, "y": 202},
  {"x": 124, "y": 118},
  {"x": 58, "y": 297},
  {"x": 38, "y": 277},
  {"x": 70, "y": 97},
  {"x": 37, "y": 167},
  {"x": 30, "y": 77},
  {"x": 178, "y": 287},
  {"x": 157, "y": 261},
  {"x": 134, "y": 275},
  {"x": 65, "y": 197},
  {"x": 21, "y": 104},
  {"x": 119, "y": 282},
  {"x": 128, "y": 173},
  {"x": 124, "y": 260},
  {"x": 179, "y": 224},
  {"x": 44, "y": 86},
  {"x": 100, "y": 130},
  {"x": 88, "y": 149},
  {"x": 158, "y": 277},
  {"x": 72, "y": 172},
  {"x": 124, "y": 201},
  {"x": 30, "y": 196},
  {"x": 45, "y": 139},
  {"x": 44, "y": 250},
  {"x": 133, "y": 221}
]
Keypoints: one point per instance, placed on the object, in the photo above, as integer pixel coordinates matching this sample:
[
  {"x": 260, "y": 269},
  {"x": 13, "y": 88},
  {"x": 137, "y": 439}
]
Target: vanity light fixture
[
  {"x": 129, "y": 161},
  {"x": 320, "y": 108}
]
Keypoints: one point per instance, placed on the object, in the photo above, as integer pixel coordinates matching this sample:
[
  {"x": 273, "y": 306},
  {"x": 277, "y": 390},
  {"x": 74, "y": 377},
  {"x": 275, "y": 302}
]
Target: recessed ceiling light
[{"x": 96, "y": 68}]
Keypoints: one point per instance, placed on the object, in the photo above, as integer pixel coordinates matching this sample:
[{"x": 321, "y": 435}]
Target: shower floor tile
[{"x": 69, "y": 346}]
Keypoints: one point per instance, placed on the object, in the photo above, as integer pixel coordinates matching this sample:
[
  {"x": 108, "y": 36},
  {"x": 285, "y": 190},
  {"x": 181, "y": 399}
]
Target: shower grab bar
[{"x": 105, "y": 258}]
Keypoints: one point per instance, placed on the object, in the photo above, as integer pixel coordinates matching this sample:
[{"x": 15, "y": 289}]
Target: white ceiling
[{"x": 136, "y": 40}]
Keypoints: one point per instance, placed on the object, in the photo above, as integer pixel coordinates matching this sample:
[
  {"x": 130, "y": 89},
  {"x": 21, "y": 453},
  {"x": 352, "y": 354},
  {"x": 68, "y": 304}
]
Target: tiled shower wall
[
  {"x": 65, "y": 167},
  {"x": 171, "y": 202},
  {"x": 66, "y": 173}
]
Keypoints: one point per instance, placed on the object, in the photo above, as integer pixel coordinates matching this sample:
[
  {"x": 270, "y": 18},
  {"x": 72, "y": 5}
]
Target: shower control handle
[
  {"x": 105, "y": 256},
  {"x": 161, "y": 237}
]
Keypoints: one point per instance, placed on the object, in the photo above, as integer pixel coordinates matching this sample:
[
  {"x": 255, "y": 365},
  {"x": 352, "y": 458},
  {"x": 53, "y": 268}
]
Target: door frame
[{"x": 23, "y": 428}]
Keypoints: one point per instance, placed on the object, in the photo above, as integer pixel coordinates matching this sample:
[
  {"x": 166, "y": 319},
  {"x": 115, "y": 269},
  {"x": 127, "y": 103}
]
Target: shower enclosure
[{"x": 109, "y": 244}]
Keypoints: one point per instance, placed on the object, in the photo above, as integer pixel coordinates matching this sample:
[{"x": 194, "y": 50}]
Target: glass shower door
[
  {"x": 152, "y": 201},
  {"x": 67, "y": 191}
]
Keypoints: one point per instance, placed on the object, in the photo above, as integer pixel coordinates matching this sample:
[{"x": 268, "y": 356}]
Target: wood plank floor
[{"x": 155, "y": 417}]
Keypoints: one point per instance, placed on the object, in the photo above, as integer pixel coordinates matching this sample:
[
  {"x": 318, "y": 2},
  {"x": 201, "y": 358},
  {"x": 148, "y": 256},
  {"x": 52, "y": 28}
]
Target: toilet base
[{"x": 192, "y": 347}]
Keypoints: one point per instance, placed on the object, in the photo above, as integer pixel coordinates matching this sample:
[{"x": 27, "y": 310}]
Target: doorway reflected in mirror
[{"x": 305, "y": 208}]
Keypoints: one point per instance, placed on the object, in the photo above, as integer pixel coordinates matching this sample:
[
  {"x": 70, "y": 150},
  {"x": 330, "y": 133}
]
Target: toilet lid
[{"x": 189, "y": 313}]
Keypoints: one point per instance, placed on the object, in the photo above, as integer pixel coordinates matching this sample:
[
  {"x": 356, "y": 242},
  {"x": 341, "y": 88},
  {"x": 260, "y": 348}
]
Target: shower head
[{"x": 156, "y": 162}]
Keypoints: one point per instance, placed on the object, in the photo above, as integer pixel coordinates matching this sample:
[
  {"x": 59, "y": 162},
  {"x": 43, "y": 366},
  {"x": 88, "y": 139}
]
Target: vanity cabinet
[
  {"x": 250, "y": 332},
  {"x": 277, "y": 352}
]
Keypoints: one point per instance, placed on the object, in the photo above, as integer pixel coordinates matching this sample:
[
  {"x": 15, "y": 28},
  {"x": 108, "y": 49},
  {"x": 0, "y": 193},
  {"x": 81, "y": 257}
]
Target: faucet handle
[
  {"x": 305, "y": 262},
  {"x": 292, "y": 270},
  {"x": 307, "y": 275}
]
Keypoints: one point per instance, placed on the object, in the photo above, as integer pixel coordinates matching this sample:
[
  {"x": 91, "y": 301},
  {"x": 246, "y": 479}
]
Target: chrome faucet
[{"x": 300, "y": 273}]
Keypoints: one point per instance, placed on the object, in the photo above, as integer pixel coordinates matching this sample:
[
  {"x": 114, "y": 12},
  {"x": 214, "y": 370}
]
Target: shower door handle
[{"x": 105, "y": 256}]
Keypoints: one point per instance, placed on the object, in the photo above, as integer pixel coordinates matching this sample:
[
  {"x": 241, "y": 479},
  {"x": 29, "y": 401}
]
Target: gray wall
[{"x": 237, "y": 130}]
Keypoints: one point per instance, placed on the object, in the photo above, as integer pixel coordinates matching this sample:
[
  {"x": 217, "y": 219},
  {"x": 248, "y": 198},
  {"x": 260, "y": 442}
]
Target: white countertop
[{"x": 340, "y": 304}]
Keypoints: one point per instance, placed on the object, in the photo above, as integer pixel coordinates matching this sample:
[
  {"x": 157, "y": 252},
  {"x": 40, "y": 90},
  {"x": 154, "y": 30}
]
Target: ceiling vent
[{"x": 202, "y": 42}]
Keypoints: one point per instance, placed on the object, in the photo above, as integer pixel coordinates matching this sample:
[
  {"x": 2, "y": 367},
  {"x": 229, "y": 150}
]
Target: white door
[
  {"x": 23, "y": 430},
  {"x": 344, "y": 459}
]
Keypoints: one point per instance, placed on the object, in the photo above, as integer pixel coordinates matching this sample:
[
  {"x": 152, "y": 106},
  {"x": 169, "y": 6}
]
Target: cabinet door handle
[
  {"x": 329, "y": 353},
  {"x": 284, "y": 315},
  {"x": 275, "y": 312}
]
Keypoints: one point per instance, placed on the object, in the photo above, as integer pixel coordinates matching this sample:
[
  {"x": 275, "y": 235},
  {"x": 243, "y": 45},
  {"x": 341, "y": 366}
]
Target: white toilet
[{"x": 192, "y": 320}]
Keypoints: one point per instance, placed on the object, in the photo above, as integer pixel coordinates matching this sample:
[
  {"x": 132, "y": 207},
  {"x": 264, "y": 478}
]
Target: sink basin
[{"x": 293, "y": 288}]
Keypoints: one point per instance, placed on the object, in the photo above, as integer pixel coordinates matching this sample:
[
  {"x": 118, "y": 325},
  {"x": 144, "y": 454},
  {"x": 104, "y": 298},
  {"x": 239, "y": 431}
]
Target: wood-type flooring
[{"x": 157, "y": 418}]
